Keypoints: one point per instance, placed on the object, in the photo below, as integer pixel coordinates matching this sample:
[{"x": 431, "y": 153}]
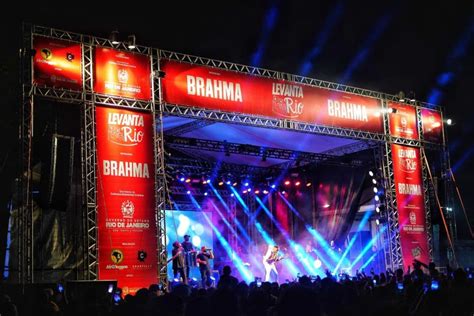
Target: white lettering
[
  {"x": 411, "y": 189},
  {"x": 125, "y": 169},
  {"x": 350, "y": 111},
  {"x": 215, "y": 89}
]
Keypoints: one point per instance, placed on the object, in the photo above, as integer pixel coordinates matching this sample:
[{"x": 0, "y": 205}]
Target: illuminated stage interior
[{"x": 295, "y": 189}]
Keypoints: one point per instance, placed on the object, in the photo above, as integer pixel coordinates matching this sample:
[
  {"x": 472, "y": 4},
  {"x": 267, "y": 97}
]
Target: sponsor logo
[
  {"x": 404, "y": 123},
  {"x": 287, "y": 100},
  {"x": 346, "y": 110},
  {"x": 409, "y": 189},
  {"x": 141, "y": 255},
  {"x": 69, "y": 57},
  {"x": 127, "y": 209},
  {"x": 46, "y": 53},
  {"x": 214, "y": 88},
  {"x": 122, "y": 75},
  {"x": 125, "y": 169},
  {"x": 116, "y": 256}
]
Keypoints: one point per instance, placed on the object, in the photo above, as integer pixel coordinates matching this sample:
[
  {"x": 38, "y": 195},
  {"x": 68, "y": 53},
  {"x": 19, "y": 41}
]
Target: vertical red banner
[
  {"x": 432, "y": 125},
  {"x": 411, "y": 206},
  {"x": 403, "y": 121},
  {"x": 126, "y": 198},
  {"x": 57, "y": 63}
]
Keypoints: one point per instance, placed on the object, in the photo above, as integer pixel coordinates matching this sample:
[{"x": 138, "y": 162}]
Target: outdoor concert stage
[{"x": 135, "y": 147}]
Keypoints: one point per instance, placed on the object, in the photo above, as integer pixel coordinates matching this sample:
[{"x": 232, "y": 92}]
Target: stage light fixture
[
  {"x": 449, "y": 121},
  {"x": 273, "y": 186},
  {"x": 246, "y": 184},
  {"x": 205, "y": 193},
  {"x": 308, "y": 184},
  {"x": 188, "y": 192},
  {"x": 326, "y": 205},
  {"x": 374, "y": 181},
  {"x": 187, "y": 180},
  {"x": 287, "y": 182},
  {"x": 283, "y": 192},
  {"x": 221, "y": 183},
  {"x": 234, "y": 184},
  {"x": 377, "y": 198},
  {"x": 131, "y": 42},
  {"x": 265, "y": 192},
  {"x": 297, "y": 183},
  {"x": 208, "y": 181},
  {"x": 232, "y": 194},
  {"x": 257, "y": 191},
  {"x": 377, "y": 221},
  {"x": 114, "y": 37},
  {"x": 377, "y": 209},
  {"x": 376, "y": 190},
  {"x": 411, "y": 96},
  {"x": 401, "y": 96},
  {"x": 371, "y": 173},
  {"x": 228, "y": 182},
  {"x": 249, "y": 189},
  {"x": 182, "y": 179}
]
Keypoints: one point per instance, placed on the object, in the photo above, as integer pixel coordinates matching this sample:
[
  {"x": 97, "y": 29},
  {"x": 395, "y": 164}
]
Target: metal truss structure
[{"x": 88, "y": 99}]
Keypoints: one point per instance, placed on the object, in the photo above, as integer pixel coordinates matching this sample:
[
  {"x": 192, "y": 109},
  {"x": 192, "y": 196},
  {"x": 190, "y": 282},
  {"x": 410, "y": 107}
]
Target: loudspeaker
[{"x": 57, "y": 172}]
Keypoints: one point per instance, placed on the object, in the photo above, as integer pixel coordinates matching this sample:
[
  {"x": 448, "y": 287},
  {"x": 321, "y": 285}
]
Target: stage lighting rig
[
  {"x": 114, "y": 37},
  {"x": 131, "y": 42}
]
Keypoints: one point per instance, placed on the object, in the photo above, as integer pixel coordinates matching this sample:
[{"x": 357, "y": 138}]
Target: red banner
[
  {"x": 126, "y": 198},
  {"x": 122, "y": 74},
  {"x": 212, "y": 88},
  {"x": 57, "y": 63},
  {"x": 432, "y": 125},
  {"x": 411, "y": 207},
  {"x": 403, "y": 121}
]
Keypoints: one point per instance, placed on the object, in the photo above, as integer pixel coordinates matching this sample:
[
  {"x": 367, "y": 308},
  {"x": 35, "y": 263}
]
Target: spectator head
[{"x": 226, "y": 270}]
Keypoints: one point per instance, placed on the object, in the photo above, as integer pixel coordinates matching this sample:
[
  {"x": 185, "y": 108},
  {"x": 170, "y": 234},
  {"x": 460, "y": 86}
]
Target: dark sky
[{"x": 384, "y": 46}]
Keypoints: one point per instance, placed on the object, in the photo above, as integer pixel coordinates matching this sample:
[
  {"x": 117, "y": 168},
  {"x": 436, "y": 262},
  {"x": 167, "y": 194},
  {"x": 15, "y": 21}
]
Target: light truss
[
  {"x": 177, "y": 142},
  {"x": 188, "y": 127}
]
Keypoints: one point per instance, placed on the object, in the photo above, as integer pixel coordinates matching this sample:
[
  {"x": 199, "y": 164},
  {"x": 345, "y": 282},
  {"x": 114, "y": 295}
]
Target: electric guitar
[{"x": 270, "y": 261}]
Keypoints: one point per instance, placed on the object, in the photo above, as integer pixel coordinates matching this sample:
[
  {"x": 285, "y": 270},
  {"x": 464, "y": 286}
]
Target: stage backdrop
[
  {"x": 126, "y": 198},
  {"x": 217, "y": 89},
  {"x": 411, "y": 208},
  {"x": 432, "y": 125},
  {"x": 194, "y": 224}
]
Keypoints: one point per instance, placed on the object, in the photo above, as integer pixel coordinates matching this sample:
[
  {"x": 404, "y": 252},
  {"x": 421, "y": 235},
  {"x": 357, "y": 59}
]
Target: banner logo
[
  {"x": 125, "y": 129},
  {"x": 408, "y": 160},
  {"x": 416, "y": 252},
  {"x": 287, "y": 100},
  {"x": 141, "y": 255},
  {"x": 116, "y": 256},
  {"x": 412, "y": 218},
  {"x": 46, "y": 53},
  {"x": 122, "y": 76},
  {"x": 127, "y": 209}
]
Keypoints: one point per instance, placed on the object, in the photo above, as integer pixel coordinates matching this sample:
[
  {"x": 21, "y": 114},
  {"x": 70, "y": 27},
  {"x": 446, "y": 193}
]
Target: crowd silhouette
[{"x": 422, "y": 290}]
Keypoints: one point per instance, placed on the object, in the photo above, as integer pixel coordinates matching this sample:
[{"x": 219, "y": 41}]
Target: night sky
[{"x": 384, "y": 46}]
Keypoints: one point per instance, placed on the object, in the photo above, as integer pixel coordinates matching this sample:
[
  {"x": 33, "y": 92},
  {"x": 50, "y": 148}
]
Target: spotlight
[
  {"x": 208, "y": 181},
  {"x": 244, "y": 191},
  {"x": 182, "y": 179},
  {"x": 287, "y": 182},
  {"x": 221, "y": 183},
  {"x": 188, "y": 192},
  {"x": 401, "y": 96},
  {"x": 205, "y": 193},
  {"x": 187, "y": 180},
  {"x": 283, "y": 192},
  {"x": 326, "y": 205},
  {"x": 411, "y": 96},
  {"x": 232, "y": 194},
  {"x": 273, "y": 186},
  {"x": 228, "y": 182},
  {"x": 249, "y": 189},
  {"x": 131, "y": 42},
  {"x": 374, "y": 181},
  {"x": 371, "y": 173},
  {"x": 257, "y": 191},
  {"x": 204, "y": 181},
  {"x": 377, "y": 209},
  {"x": 376, "y": 190},
  {"x": 449, "y": 121},
  {"x": 308, "y": 184},
  {"x": 377, "y": 198},
  {"x": 265, "y": 192},
  {"x": 246, "y": 184},
  {"x": 297, "y": 183},
  {"x": 234, "y": 184},
  {"x": 377, "y": 221},
  {"x": 114, "y": 37}
]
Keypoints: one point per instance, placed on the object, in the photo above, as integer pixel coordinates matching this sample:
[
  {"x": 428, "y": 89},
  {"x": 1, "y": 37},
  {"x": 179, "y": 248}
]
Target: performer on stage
[
  {"x": 189, "y": 254},
  {"x": 269, "y": 262},
  {"x": 204, "y": 266},
  {"x": 179, "y": 263}
]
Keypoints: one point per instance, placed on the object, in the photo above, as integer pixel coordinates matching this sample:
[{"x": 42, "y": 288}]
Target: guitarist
[{"x": 269, "y": 262}]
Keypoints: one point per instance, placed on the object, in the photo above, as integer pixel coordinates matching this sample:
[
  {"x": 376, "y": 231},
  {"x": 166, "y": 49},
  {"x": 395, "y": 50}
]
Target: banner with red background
[
  {"x": 57, "y": 63},
  {"x": 213, "y": 88},
  {"x": 403, "y": 121},
  {"x": 122, "y": 74},
  {"x": 126, "y": 198},
  {"x": 432, "y": 125},
  {"x": 410, "y": 201}
]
